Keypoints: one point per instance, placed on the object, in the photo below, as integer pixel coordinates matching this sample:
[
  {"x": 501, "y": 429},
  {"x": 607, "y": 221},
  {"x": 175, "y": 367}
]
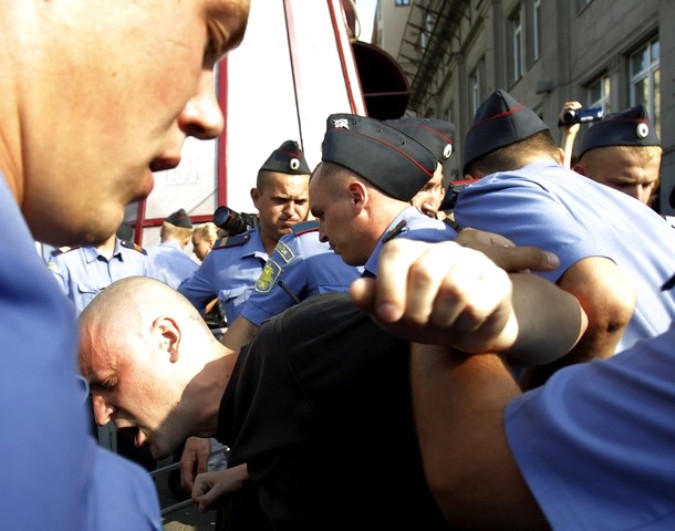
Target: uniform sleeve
[
  {"x": 595, "y": 444},
  {"x": 199, "y": 288},
  {"x": 121, "y": 495},
  {"x": 527, "y": 214}
]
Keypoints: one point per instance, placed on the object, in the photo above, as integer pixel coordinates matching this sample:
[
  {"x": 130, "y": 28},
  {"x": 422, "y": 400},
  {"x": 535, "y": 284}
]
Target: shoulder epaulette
[
  {"x": 305, "y": 226},
  {"x": 233, "y": 241},
  {"x": 220, "y": 242},
  {"x": 62, "y": 250},
  {"x": 133, "y": 245}
]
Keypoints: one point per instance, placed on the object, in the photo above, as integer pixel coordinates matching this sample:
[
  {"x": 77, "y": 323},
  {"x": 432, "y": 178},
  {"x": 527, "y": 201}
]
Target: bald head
[
  {"x": 130, "y": 303},
  {"x": 151, "y": 360}
]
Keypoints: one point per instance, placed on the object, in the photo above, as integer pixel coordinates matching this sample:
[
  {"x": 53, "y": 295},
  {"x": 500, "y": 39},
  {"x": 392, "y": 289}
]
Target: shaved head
[{"x": 147, "y": 354}]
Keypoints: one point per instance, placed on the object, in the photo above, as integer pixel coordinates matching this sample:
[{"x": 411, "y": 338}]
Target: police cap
[
  {"x": 384, "y": 156},
  {"x": 499, "y": 122},
  {"x": 287, "y": 158},
  {"x": 180, "y": 219},
  {"x": 435, "y": 135},
  {"x": 631, "y": 127}
]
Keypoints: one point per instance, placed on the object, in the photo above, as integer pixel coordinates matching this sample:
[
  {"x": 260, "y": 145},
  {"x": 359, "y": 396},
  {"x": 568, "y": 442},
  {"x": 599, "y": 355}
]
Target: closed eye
[{"x": 104, "y": 386}]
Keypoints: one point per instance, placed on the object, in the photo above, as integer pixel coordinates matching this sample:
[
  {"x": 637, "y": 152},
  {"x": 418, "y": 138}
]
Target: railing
[{"x": 175, "y": 466}]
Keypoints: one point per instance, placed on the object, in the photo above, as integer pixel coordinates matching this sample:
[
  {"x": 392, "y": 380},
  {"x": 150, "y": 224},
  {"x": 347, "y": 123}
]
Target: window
[
  {"x": 429, "y": 24},
  {"x": 399, "y": 3},
  {"x": 516, "y": 48},
  {"x": 645, "y": 81},
  {"x": 597, "y": 94},
  {"x": 476, "y": 86},
  {"x": 532, "y": 31}
]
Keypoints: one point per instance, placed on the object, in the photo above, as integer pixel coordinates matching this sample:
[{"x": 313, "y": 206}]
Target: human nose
[
  {"x": 633, "y": 191},
  {"x": 322, "y": 233},
  {"x": 103, "y": 411},
  {"x": 202, "y": 117}
]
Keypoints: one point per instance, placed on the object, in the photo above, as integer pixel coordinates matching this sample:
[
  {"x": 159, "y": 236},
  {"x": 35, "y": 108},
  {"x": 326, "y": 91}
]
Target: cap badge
[
  {"x": 342, "y": 123},
  {"x": 447, "y": 151},
  {"x": 294, "y": 164},
  {"x": 642, "y": 130}
]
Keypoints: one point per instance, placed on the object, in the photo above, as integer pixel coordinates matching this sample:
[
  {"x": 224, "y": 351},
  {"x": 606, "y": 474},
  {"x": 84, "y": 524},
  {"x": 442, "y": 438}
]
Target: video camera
[
  {"x": 581, "y": 116},
  {"x": 234, "y": 222}
]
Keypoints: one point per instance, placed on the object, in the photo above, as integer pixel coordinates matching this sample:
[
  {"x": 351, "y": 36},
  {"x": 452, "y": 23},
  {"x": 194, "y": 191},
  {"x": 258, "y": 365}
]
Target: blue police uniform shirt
[
  {"x": 121, "y": 495},
  {"x": 300, "y": 266},
  {"x": 42, "y": 408},
  {"x": 410, "y": 224},
  {"x": 170, "y": 263},
  {"x": 596, "y": 444},
  {"x": 83, "y": 272},
  {"x": 558, "y": 210},
  {"x": 228, "y": 272}
]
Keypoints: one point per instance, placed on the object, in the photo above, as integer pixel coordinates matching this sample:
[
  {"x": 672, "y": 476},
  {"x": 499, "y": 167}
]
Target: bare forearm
[
  {"x": 550, "y": 320},
  {"x": 459, "y": 407}
]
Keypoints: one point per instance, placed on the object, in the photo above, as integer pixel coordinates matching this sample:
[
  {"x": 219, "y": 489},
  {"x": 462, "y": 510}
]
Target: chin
[{"x": 159, "y": 453}]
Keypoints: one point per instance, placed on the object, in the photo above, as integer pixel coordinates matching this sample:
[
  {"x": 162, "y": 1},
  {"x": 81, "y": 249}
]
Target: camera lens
[
  {"x": 227, "y": 219},
  {"x": 568, "y": 117}
]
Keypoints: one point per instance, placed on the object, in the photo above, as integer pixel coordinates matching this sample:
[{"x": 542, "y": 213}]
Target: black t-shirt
[{"x": 319, "y": 407}]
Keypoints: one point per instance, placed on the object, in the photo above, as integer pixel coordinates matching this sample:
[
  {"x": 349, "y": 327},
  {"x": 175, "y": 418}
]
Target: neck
[
  {"x": 212, "y": 383},
  {"x": 107, "y": 248},
  {"x": 269, "y": 243}
]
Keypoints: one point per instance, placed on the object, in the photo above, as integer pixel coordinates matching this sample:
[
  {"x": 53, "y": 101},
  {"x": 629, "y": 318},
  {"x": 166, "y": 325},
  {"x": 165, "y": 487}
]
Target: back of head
[
  {"x": 177, "y": 226},
  {"x": 125, "y": 232},
  {"x": 288, "y": 158},
  {"x": 515, "y": 156},
  {"x": 206, "y": 231},
  {"x": 382, "y": 155},
  {"x": 631, "y": 128},
  {"x": 500, "y": 121}
]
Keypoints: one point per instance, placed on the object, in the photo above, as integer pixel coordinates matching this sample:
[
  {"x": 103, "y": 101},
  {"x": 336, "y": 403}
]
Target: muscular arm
[
  {"x": 608, "y": 299},
  {"x": 459, "y": 407},
  {"x": 446, "y": 294}
]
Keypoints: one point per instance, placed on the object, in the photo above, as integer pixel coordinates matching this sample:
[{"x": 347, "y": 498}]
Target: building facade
[{"x": 603, "y": 53}]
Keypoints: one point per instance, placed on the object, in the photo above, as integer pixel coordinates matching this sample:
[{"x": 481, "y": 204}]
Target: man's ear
[
  {"x": 168, "y": 335},
  {"x": 358, "y": 194},
  {"x": 579, "y": 169},
  {"x": 255, "y": 196}
]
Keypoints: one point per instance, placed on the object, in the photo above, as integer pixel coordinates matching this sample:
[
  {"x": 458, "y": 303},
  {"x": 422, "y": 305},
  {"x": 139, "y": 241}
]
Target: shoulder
[
  {"x": 233, "y": 241},
  {"x": 133, "y": 246},
  {"x": 62, "y": 250},
  {"x": 311, "y": 225}
]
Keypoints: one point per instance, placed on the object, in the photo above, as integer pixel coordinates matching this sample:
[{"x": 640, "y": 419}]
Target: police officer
[
  {"x": 623, "y": 152},
  {"x": 361, "y": 191},
  {"x": 169, "y": 261},
  {"x": 82, "y": 272},
  {"x": 230, "y": 270}
]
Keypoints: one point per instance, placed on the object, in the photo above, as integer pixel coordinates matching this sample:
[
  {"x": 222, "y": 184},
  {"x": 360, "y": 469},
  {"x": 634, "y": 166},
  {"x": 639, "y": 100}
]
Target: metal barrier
[{"x": 175, "y": 466}]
